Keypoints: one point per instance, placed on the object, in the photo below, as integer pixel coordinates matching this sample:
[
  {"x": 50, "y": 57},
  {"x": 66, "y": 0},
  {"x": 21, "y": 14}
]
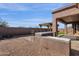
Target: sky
[{"x": 28, "y": 14}]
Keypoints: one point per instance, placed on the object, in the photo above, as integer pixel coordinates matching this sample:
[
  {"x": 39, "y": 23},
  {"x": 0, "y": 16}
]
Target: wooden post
[
  {"x": 40, "y": 26},
  {"x": 74, "y": 28},
  {"x": 77, "y": 27}
]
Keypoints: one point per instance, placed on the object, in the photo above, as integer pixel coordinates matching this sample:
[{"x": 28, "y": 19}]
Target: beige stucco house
[{"x": 66, "y": 15}]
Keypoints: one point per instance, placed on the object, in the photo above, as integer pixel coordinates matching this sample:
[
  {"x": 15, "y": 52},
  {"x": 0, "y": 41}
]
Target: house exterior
[{"x": 66, "y": 15}]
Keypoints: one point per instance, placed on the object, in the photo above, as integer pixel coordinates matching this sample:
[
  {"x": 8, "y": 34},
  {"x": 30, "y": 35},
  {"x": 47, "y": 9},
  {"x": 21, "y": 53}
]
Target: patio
[{"x": 67, "y": 15}]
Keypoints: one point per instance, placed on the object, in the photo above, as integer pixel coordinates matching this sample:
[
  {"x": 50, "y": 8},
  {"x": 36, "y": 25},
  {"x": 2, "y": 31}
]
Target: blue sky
[{"x": 27, "y": 14}]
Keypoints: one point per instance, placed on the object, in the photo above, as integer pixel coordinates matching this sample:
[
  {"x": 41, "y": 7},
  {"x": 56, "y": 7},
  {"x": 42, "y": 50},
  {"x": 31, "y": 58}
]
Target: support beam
[
  {"x": 55, "y": 27},
  {"x": 74, "y": 28},
  {"x": 73, "y": 22}
]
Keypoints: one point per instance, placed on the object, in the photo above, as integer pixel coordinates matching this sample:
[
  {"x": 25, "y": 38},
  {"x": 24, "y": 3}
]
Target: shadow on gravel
[
  {"x": 17, "y": 36},
  {"x": 74, "y": 52}
]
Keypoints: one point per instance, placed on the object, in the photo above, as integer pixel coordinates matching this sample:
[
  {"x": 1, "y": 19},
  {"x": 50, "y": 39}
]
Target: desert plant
[{"x": 3, "y": 23}]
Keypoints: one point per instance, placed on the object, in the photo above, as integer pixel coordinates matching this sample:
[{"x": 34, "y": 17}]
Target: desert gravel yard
[
  {"x": 22, "y": 46},
  {"x": 18, "y": 46}
]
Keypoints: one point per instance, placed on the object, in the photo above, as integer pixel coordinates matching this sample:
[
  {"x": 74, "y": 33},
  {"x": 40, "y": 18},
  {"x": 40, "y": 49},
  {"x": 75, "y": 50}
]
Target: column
[
  {"x": 48, "y": 27},
  {"x": 74, "y": 28},
  {"x": 55, "y": 29},
  {"x": 40, "y": 26},
  {"x": 66, "y": 29}
]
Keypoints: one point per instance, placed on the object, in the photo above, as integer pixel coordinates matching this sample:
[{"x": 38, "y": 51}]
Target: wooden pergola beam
[{"x": 76, "y": 22}]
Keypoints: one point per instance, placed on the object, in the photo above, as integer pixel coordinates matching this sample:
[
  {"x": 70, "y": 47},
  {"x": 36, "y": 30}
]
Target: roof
[
  {"x": 65, "y": 7},
  {"x": 45, "y": 24}
]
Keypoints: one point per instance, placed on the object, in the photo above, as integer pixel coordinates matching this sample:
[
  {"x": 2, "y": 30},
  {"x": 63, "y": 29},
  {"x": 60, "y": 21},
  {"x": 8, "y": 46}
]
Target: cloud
[
  {"x": 25, "y": 6},
  {"x": 46, "y": 6},
  {"x": 61, "y": 5},
  {"x": 37, "y": 20},
  {"x": 13, "y": 7},
  {"x": 7, "y": 14},
  {"x": 33, "y": 22}
]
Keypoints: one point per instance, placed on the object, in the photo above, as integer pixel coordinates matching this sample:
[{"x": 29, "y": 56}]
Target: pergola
[
  {"x": 48, "y": 25},
  {"x": 67, "y": 15}
]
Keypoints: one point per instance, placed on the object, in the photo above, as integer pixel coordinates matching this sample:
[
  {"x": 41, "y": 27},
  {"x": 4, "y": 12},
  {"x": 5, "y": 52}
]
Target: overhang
[
  {"x": 70, "y": 19},
  {"x": 65, "y": 7},
  {"x": 67, "y": 14}
]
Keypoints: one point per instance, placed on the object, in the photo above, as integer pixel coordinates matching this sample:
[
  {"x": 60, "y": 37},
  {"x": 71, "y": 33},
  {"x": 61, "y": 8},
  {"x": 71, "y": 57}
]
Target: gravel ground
[
  {"x": 18, "y": 46},
  {"x": 22, "y": 46}
]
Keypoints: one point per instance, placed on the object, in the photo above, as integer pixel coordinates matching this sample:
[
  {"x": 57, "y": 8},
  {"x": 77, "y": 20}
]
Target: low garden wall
[{"x": 53, "y": 46}]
